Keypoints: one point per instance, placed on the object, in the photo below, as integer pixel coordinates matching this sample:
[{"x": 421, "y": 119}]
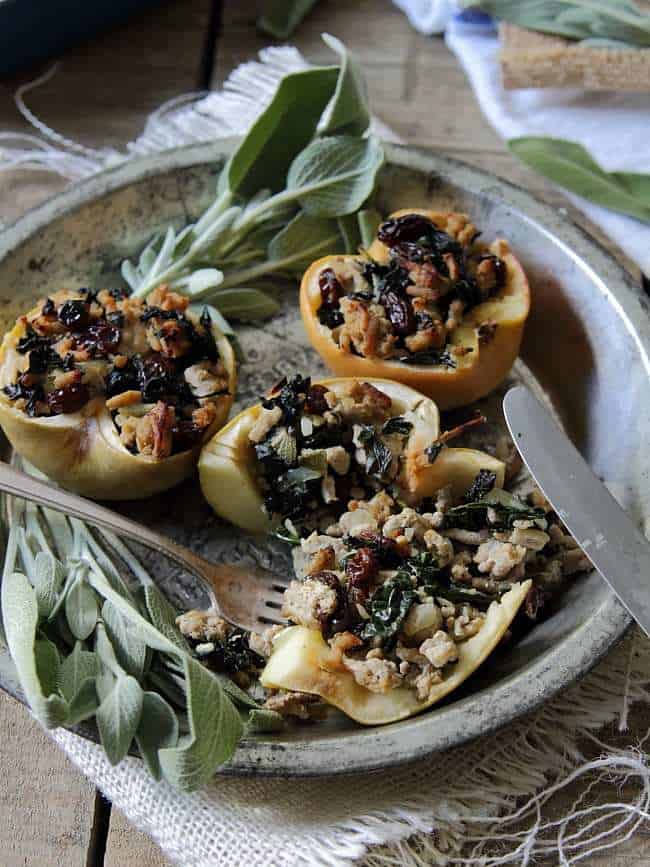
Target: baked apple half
[
  {"x": 371, "y": 688},
  {"x": 426, "y": 305},
  {"x": 113, "y": 397},
  {"x": 309, "y": 450}
]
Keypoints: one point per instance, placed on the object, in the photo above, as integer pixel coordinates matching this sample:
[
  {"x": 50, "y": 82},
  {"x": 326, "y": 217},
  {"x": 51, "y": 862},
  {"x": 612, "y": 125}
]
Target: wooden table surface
[{"x": 101, "y": 94}]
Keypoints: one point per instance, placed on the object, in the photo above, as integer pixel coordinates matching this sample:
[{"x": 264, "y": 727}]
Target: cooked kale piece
[
  {"x": 388, "y": 609},
  {"x": 483, "y": 483}
]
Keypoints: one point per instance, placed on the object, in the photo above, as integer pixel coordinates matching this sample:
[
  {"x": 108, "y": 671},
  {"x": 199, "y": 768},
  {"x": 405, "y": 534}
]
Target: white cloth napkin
[{"x": 614, "y": 127}]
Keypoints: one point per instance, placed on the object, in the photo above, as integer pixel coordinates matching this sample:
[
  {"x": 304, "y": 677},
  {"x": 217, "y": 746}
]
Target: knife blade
[{"x": 615, "y": 546}]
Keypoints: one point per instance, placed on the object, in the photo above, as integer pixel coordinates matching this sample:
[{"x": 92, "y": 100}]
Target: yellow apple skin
[
  {"x": 227, "y": 466},
  {"x": 82, "y": 452},
  {"x": 302, "y": 661},
  {"x": 476, "y": 374}
]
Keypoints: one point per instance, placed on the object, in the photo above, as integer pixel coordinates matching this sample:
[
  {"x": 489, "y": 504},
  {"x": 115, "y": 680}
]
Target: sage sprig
[
  {"x": 571, "y": 166},
  {"x": 293, "y": 190},
  {"x": 621, "y": 21},
  {"x": 89, "y": 642}
]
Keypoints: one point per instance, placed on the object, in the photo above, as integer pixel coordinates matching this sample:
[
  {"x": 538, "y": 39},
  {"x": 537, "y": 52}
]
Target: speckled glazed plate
[{"x": 585, "y": 351}]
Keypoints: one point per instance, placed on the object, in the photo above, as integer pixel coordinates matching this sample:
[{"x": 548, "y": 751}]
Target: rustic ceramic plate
[{"x": 585, "y": 351}]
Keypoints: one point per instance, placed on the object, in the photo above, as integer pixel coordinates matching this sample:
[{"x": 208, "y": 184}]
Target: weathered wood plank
[
  {"x": 45, "y": 803},
  {"x": 126, "y": 846}
]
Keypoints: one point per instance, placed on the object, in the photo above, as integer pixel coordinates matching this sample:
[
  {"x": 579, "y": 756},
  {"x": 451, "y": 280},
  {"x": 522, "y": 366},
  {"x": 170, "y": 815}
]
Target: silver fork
[{"x": 247, "y": 596}]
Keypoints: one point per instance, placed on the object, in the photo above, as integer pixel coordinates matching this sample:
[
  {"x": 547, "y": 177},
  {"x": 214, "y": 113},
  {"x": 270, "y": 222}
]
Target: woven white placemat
[{"x": 458, "y": 807}]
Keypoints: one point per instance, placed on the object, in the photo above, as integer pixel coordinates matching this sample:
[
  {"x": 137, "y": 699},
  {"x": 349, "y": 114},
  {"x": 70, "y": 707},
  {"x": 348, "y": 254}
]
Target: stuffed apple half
[
  {"x": 310, "y": 448},
  {"x": 426, "y": 305},
  {"x": 112, "y": 397}
]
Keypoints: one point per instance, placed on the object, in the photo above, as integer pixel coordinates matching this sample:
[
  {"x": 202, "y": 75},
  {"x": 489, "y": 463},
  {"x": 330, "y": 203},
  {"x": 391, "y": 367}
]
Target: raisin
[
  {"x": 362, "y": 567},
  {"x": 68, "y": 399},
  {"x": 49, "y": 309},
  {"x": 316, "y": 403},
  {"x": 121, "y": 379},
  {"x": 186, "y": 435},
  {"x": 330, "y": 288},
  {"x": 98, "y": 339},
  {"x": 399, "y": 312},
  {"x": 75, "y": 315},
  {"x": 410, "y": 227},
  {"x": 387, "y": 550}
]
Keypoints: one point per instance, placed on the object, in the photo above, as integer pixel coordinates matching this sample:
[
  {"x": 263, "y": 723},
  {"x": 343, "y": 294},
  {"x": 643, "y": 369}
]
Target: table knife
[{"x": 615, "y": 546}]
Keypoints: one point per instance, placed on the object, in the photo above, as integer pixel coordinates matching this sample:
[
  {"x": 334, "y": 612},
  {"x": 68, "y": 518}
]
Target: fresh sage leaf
[
  {"x": 350, "y": 232},
  {"x": 280, "y": 18},
  {"x": 158, "y": 729},
  {"x": 369, "y": 221},
  {"x": 246, "y": 305},
  {"x": 118, "y": 717},
  {"x": 622, "y": 20},
  {"x": 104, "y": 682},
  {"x": 77, "y": 667},
  {"x": 282, "y": 130},
  {"x": 130, "y": 650},
  {"x": 163, "y": 616},
  {"x": 215, "y": 729},
  {"x": 304, "y": 239},
  {"x": 199, "y": 281},
  {"x": 106, "y": 652},
  {"x": 153, "y": 637},
  {"x": 261, "y": 720},
  {"x": 81, "y": 608},
  {"x": 238, "y": 695},
  {"x": 334, "y": 176},
  {"x": 570, "y": 165},
  {"x": 84, "y": 704},
  {"x": 348, "y": 113},
  {"x": 48, "y": 665},
  {"x": 168, "y": 686},
  {"x": 48, "y": 578},
  {"x": 20, "y": 617}
]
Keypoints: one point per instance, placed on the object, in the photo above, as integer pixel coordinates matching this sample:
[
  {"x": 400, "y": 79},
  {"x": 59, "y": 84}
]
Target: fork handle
[{"x": 19, "y": 484}]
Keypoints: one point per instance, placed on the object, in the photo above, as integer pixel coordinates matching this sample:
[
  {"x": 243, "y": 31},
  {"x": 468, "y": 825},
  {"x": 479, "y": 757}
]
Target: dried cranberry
[
  {"x": 68, "y": 399},
  {"x": 186, "y": 435},
  {"x": 75, "y": 315},
  {"x": 316, "y": 403},
  {"x": 410, "y": 227},
  {"x": 387, "y": 550},
  {"x": 399, "y": 312},
  {"x": 330, "y": 288},
  {"x": 98, "y": 339},
  {"x": 362, "y": 567}
]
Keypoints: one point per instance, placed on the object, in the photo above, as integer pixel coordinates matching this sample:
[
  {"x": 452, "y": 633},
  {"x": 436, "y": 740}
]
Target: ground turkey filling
[
  {"x": 394, "y": 589},
  {"x": 158, "y": 369},
  {"x": 409, "y": 308}
]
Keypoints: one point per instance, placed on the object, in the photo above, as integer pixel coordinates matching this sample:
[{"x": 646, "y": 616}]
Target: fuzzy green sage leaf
[
  {"x": 118, "y": 717},
  {"x": 158, "y": 729},
  {"x": 334, "y": 176},
  {"x": 621, "y": 20},
  {"x": 571, "y": 166},
  {"x": 20, "y": 617},
  {"x": 215, "y": 729}
]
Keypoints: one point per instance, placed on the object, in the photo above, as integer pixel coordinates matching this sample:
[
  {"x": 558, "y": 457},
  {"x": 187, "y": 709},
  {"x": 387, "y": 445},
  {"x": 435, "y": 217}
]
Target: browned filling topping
[
  {"x": 409, "y": 308},
  {"x": 158, "y": 369}
]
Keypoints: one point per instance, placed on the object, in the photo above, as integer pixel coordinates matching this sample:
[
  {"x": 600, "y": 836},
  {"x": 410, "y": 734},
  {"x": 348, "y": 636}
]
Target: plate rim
[{"x": 379, "y": 748}]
